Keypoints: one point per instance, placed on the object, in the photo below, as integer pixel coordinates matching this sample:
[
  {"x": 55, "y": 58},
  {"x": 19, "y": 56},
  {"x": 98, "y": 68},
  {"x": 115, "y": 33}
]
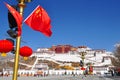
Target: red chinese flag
[
  {"x": 39, "y": 20},
  {"x": 91, "y": 69},
  {"x": 17, "y": 17}
]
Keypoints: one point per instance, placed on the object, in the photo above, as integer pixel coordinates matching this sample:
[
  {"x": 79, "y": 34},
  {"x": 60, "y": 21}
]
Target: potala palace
[{"x": 51, "y": 60}]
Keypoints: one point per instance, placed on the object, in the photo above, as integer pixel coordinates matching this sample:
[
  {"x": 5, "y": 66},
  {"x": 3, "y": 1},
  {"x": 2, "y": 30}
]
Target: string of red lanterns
[{"x": 7, "y": 46}]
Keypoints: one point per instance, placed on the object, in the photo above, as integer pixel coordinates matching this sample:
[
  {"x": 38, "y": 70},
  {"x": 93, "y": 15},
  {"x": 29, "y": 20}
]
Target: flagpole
[{"x": 18, "y": 41}]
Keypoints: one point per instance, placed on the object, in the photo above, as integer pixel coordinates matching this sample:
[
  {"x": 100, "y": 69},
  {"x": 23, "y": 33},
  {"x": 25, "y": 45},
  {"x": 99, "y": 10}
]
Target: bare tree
[{"x": 116, "y": 60}]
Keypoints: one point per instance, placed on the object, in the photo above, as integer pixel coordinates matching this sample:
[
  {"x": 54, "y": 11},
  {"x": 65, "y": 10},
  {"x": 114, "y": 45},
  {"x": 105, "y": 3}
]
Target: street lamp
[
  {"x": 83, "y": 53},
  {"x": 21, "y": 5}
]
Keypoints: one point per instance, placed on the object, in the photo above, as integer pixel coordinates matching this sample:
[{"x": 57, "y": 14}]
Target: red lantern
[
  {"x": 5, "y": 47},
  {"x": 25, "y": 51},
  {"x": 82, "y": 68}
]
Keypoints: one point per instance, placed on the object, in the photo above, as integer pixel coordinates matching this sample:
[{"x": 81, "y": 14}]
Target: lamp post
[
  {"x": 21, "y": 4},
  {"x": 83, "y": 53}
]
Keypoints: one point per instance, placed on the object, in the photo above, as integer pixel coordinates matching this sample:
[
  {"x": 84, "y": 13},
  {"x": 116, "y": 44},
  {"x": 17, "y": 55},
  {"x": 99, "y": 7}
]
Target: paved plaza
[{"x": 66, "y": 77}]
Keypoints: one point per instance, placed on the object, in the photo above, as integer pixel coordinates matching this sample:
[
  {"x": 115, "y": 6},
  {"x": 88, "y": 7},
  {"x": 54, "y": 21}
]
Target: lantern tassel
[
  {"x": 25, "y": 58},
  {"x": 3, "y": 54}
]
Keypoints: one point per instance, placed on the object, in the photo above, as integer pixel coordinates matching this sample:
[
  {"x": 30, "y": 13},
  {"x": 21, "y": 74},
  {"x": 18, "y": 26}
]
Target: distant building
[
  {"x": 62, "y": 54},
  {"x": 61, "y": 48}
]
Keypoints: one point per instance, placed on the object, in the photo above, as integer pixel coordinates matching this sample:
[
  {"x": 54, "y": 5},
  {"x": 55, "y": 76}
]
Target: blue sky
[{"x": 93, "y": 23}]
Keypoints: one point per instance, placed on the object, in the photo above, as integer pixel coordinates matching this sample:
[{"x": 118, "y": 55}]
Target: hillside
[{"x": 7, "y": 63}]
